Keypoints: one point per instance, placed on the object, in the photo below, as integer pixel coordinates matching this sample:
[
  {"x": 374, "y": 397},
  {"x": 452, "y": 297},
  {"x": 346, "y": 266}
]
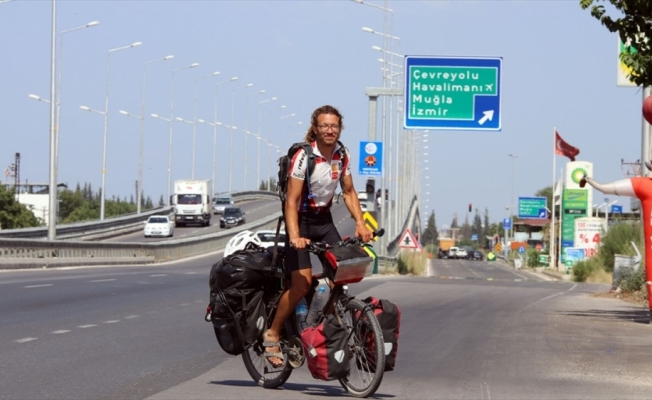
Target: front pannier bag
[{"x": 327, "y": 349}]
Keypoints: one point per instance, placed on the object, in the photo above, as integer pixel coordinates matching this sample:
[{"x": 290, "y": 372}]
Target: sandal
[{"x": 272, "y": 354}]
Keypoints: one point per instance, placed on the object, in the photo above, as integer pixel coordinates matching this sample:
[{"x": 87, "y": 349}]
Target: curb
[{"x": 557, "y": 275}]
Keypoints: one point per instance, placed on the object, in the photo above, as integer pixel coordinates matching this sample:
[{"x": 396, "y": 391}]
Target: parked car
[
  {"x": 158, "y": 225},
  {"x": 452, "y": 252},
  {"x": 232, "y": 216},
  {"x": 476, "y": 255},
  {"x": 267, "y": 237}
]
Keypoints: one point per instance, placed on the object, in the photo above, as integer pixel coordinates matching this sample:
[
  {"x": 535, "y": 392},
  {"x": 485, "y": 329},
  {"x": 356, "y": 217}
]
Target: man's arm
[
  {"x": 295, "y": 187},
  {"x": 353, "y": 205}
]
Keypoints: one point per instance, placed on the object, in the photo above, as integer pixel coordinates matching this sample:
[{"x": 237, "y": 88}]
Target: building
[{"x": 36, "y": 196}]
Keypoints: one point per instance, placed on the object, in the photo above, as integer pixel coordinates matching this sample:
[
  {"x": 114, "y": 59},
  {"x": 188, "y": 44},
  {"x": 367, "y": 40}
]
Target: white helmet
[{"x": 242, "y": 241}]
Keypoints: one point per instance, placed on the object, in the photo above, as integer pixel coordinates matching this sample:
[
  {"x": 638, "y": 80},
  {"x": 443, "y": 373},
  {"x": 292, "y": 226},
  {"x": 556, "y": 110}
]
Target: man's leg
[{"x": 301, "y": 281}]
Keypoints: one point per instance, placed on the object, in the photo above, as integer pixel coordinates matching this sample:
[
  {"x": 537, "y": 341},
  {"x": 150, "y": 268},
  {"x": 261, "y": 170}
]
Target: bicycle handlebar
[{"x": 320, "y": 247}]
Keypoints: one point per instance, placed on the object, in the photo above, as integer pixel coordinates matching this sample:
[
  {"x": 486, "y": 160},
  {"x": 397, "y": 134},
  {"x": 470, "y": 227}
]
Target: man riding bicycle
[{"x": 308, "y": 216}]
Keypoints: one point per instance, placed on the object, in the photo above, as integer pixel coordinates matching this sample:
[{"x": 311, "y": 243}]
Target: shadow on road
[
  {"x": 641, "y": 316},
  {"x": 310, "y": 389}
]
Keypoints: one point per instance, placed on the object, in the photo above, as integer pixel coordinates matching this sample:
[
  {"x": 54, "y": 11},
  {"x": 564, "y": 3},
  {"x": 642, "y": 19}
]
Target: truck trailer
[{"x": 192, "y": 202}]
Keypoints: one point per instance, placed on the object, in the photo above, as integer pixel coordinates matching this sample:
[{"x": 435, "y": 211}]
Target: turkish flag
[{"x": 564, "y": 149}]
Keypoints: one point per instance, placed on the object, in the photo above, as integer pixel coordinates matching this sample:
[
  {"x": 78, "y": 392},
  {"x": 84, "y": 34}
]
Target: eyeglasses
[{"x": 325, "y": 127}]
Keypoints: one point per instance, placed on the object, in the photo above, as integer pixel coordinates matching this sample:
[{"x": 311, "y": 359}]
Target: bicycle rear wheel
[
  {"x": 366, "y": 343},
  {"x": 261, "y": 371}
]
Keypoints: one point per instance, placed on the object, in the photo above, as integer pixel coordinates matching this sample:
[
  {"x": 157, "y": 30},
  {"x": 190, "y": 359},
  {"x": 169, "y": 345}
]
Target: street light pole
[
  {"x": 259, "y": 138},
  {"x": 511, "y": 201},
  {"x": 58, "y": 102},
  {"x": 269, "y": 129},
  {"x": 215, "y": 124},
  {"x": 247, "y": 137},
  {"x": 140, "y": 161},
  {"x": 171, "y": 120},
  {"x": 194, "y": 129},
  {"x": 52, "y": 220},
  {"x": 106, "y": 123},
  {"x": 169, "y": 154},
  {"x": 231, "y": 134},
  {"x": 142, "y": 132}
]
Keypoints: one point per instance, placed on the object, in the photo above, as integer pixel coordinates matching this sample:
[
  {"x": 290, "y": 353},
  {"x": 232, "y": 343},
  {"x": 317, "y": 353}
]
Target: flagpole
[
  {"x": 561, "y": 179},
  {"x": 553, "y": 253}
]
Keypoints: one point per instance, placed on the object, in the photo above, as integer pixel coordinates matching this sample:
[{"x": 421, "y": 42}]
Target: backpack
[
  {"x": 284, "y": 168},
  {"x": 389, "y": 318}
]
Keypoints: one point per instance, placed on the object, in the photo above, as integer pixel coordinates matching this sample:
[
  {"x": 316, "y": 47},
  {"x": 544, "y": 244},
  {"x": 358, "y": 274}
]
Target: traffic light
[
  {"x": 470, "y": 207},
  {"x": 371, "y": 187}
]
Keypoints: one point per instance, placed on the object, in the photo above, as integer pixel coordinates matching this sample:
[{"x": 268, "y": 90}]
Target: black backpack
[{"x": 284, "y": 167}]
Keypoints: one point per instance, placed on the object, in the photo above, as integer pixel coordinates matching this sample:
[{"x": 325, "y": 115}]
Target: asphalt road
[{"x": 472, "y": 330}]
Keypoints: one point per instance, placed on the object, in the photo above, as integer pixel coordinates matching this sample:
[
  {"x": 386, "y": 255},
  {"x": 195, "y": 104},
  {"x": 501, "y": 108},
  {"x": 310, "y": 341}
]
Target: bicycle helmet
[{"x": 244, "y": 240}]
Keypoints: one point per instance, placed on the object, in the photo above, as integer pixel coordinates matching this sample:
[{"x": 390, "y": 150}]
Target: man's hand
[
  {"x": 363, "y": 232},
  {"x": 299, "y": 243}
]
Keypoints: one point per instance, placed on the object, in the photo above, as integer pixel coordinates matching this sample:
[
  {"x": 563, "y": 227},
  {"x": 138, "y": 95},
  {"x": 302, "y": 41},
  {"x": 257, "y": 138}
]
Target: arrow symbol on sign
[{"x": 488, "y": 115}]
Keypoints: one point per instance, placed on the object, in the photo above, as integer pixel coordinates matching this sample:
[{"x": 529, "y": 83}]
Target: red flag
[{"x": 564, "y": 149}]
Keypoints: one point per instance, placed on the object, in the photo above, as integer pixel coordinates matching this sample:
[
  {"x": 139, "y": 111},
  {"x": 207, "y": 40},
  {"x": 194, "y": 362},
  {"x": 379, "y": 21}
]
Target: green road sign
[{"x": 532, "y": 207}]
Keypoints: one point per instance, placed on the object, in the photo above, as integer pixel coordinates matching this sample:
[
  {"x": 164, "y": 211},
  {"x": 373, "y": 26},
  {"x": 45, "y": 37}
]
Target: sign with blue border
[
  {"x": 453, "y": 93},
  {"x": 507, "y": 223},
  {"x": 532, "y": 207},
  {"x": 616, "y": 209},
  {"x": 371, "y": 158}
]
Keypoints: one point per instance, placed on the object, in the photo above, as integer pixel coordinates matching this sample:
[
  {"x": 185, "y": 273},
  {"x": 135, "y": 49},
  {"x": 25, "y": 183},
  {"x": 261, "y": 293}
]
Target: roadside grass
[{"x": 412, "y": 263}]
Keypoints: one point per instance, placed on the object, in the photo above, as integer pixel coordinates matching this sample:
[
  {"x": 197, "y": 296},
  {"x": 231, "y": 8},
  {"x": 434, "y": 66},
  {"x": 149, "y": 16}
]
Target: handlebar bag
[
  {"x": 389, "y": 318},
  {"x": 327, "y": 349}
]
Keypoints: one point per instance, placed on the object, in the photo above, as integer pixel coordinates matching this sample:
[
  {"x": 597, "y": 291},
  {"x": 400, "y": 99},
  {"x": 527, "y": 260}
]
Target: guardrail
[{"x": 93, "y": 230}]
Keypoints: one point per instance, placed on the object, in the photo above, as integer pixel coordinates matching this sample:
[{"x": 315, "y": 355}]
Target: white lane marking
[
  {"x": 551, "y": 296},
  {"x": 131, "y": 316},
  {"x": 59, "y": 332},
  {"x": 160, "y": 275},
  {"x": 190, "y": 273},
  {"x": 102, "y": 280},
  {"x": 24, "y": 340},
  {"x": 199, "y": 301},
  {"x": 35, "y": 286},
  {"x": 86, "y": 326},
  {"x": 184, "y": 304},
  {"x": 113, "y": 321}
]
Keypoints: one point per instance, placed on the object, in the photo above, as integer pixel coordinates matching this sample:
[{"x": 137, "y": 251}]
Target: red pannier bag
[
  {"x": 389, "y": 318},
  {"x": 327, "y": 349}
]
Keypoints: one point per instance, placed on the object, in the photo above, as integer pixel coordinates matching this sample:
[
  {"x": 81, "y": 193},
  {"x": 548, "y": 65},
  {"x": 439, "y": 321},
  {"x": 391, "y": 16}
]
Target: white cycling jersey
[{"x": 323, "y": 180}]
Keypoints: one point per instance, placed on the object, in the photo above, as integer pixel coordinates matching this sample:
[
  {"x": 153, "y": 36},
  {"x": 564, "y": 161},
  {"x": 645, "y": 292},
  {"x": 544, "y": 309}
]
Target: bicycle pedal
[{"x": 295, "y": 355}]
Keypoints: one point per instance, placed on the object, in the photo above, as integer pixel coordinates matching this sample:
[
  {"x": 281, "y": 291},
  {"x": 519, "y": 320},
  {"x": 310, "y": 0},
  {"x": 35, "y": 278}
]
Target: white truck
[{"x": 192, "y": 202}]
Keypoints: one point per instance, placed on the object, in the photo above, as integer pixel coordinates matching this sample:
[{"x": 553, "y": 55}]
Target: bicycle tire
[
  {"x": 367, "y": 350},
  {"x": 260, "y": 370}
]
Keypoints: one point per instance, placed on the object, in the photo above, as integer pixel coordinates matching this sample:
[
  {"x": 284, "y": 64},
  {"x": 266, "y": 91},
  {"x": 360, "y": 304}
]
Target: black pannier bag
[{"x": 237, "y": 284}]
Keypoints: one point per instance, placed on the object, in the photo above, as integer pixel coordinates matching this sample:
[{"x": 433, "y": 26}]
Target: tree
[
  {"x": 161, "y": 203},
  {"x": 13, "y": 214},
  {"x": 485, "y": 230},
  {"x": 476, "y": 228},
  {"x": 430, "y": 235},
  {"x": 634, "y": 27},
  {"x": 547, "y": 193}
]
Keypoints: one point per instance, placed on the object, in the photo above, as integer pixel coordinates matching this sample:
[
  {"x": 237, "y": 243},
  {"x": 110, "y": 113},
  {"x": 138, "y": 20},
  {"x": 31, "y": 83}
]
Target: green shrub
[
  {"x": 401, "y": 265},
  {"x": 617, "y": 241},
  {"x": 632, "y": 281},
  {"x": 583, "y": 269},
  {"x": 532, "y": 257}
]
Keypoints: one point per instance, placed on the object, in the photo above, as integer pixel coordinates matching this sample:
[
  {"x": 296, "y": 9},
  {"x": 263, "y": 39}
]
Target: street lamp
[
  {"x": 169, "y": 153},
  {"x": 231, "y": 133},
  {"x": 106, "y": 122},
  {"x": 140, "y": 162},
  {"x": 246, "y": 130},
  {"x": 214, "y": 125},
  {"x": 259, "y": 138},
  {"x": 171, "y": 120},
  {"x": 58, "y": 100},
  {"x": 194, "y": 129},
  {"x": 269, "y": 129},
  {"x": 364, "y": 28},
  {"x": 84, "y": 108},
  {"x": 511, "y": 201},
  {"x": 142, "y": 130},
  {"x": 233, "y": 79}
]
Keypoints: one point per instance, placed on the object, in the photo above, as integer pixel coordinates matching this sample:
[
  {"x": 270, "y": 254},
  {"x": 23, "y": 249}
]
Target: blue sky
[{"x": 559, "y": 69}]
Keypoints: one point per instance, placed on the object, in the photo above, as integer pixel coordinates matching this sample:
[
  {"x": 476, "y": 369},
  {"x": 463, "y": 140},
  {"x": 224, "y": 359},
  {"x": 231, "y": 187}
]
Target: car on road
[
  {"x": 461, "y": 253},
  {"x": 476, "y": 255},
  {"x": 158, "y": 225},
  {"x": 221, "y": 202},
  {"x": 232, "y": 216},
  {"x": 452, "y": 252},
  {"x": 267, "y": 237}
]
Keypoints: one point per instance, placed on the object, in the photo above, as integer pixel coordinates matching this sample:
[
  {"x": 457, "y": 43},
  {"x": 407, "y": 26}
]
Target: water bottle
[
  {"x": 317, "y": 305},
  {"x": 301, "y": 313}
]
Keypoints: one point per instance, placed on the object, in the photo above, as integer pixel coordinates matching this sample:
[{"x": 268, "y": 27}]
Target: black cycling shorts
[{"x": 317, "y": 228}]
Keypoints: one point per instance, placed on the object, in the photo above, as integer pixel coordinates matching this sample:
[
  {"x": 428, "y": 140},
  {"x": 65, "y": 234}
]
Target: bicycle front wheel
[
  {"x": 261, "y": 371},
  {"x": 367, "y": 363}
]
